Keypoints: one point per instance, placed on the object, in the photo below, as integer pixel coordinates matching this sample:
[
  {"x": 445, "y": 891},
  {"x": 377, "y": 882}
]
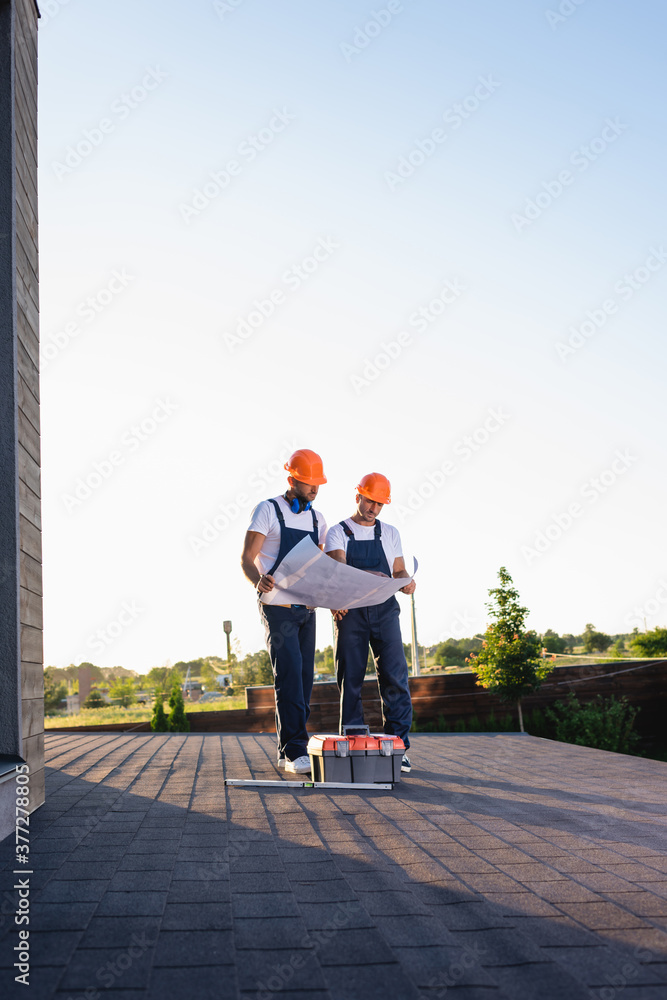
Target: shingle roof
[{"x": 504, "y": 867}]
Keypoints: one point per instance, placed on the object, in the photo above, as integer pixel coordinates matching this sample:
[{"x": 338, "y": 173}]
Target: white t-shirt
[
  {"x": 265, "y": 520},
  {"x": 390, "y": 538}
]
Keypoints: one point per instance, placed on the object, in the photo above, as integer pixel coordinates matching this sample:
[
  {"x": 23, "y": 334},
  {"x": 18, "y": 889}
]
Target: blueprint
[{"x": 308, "y": 576}]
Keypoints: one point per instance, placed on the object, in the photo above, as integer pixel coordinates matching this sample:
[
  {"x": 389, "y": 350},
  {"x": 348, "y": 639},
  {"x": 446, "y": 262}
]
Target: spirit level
[{"x": 349, "y": 785}]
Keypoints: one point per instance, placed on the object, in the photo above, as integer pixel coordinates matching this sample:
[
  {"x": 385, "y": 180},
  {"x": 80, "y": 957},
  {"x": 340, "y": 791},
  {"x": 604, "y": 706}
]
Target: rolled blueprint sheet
[{"x": 309, "y": 576}]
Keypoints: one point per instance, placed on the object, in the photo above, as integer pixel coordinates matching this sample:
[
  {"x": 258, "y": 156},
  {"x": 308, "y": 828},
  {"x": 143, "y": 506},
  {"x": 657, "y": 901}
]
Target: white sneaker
[
  {"x": 299, "y": 766},
  {"x": 280, "y": 763}
]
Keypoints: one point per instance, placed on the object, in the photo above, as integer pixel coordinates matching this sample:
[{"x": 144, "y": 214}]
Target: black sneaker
[{"x": 406, "y": 766}]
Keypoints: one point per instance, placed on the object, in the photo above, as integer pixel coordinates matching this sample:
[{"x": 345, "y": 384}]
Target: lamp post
[
  {"x": 416, "y": 670},
  {"x": 227, "y": 626}
]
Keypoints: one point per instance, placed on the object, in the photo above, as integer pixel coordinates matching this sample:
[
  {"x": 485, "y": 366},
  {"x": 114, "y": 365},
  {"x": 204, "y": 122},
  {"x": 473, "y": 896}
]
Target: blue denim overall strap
[
  {"x": 289, "y": 537},
  {"x": 367, "y": 554}
]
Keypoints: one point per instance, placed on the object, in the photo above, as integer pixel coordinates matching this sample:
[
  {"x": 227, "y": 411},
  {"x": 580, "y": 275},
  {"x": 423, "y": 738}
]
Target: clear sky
[{"x": 422, "y": 238}]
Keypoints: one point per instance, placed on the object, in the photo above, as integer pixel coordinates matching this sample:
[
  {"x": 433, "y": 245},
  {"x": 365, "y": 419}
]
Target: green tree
[
  {"x": 162, "y": 679},
  {"x": 94, "y": 700},
  {"x": 570, "y": 642},
  {"x": 208, "y": 676},
  {"x": 618, "y": 649},
  {"x": 553, "y": 642},
  {"x": 448, "y": 654},
  {"x": 509, "y": 662},
  {"x": 324, "y": 660},
  {"x": 54, "y": 690},
  {"x": 159, "y": 721},
  {"x": 123, "y": 691},
  {"x": 178, "y": 722},
  {"x": 456, "y": 652},
  {"x": 255, "y": 668},
  {"x": 96, "y": 673},
  {"x": 653, "y": 643},
  {"x": 195, "y": 667},
  {"x": 595, "y": 641}
]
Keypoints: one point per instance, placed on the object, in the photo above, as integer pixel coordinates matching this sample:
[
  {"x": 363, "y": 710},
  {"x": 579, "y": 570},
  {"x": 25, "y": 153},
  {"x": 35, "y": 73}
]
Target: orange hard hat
[
  {"x": 306, "y": 466},
  {"x": 375, "y": 487}
]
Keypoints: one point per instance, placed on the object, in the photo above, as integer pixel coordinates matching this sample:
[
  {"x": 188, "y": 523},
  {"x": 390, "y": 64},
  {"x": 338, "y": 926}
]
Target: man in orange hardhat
[
  {"x": 276, "y": 526},
  {"x": 364, "y": 542}
]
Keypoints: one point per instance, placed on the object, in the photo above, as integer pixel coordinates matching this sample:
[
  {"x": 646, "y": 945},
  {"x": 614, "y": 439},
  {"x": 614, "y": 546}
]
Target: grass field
[{"x": 136, "y": 713}]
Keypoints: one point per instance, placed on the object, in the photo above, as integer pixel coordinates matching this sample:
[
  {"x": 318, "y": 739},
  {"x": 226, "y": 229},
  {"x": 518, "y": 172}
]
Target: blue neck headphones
[{"x": 298, "y": 504}]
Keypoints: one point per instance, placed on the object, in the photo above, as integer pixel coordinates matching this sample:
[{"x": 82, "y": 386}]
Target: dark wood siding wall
[{"x": 27, "y": 321}]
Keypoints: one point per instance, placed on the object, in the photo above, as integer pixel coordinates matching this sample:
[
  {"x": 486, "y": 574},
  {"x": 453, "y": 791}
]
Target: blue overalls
[
  {"x": 290, "y": 640},
  {"x": 379, "y": 626}
]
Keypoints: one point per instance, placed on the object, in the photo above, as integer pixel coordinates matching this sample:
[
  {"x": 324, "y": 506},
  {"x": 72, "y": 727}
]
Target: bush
[
  {"x": 177, "y": 720},
  {"x": 504, "y": 725},
  {"x": 473, "y": 725},
  {"x": 159, "y": 722},
  {"x": 94, "y": 700},
  {"x": 653, "y": 643},
  {"x": 538, "y": 725},
  {"x": 603, "y": 724}
]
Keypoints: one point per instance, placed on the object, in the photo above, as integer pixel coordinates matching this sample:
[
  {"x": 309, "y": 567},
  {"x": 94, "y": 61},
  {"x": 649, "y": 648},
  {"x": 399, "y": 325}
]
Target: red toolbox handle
[{"x": 366, "y": 733}]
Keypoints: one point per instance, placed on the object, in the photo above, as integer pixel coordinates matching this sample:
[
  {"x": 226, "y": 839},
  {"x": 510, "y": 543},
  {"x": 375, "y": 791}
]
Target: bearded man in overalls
[
  {"x": 364, "y": 542},
  {"x": 276, "y": 526}
]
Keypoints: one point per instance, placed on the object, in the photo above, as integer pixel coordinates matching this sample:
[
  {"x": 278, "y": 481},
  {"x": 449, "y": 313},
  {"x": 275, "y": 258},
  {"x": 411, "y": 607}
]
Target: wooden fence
[{"x": 453, "y": 696}]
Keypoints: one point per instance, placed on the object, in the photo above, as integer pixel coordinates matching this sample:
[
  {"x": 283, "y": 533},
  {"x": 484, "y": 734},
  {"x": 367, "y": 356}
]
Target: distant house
[{"x": 192, "y": 690}]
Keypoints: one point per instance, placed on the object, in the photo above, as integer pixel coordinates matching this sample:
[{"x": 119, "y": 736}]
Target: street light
[
  {"x": 416, "y": 670},
  {"x": 227, "y": 626}
]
